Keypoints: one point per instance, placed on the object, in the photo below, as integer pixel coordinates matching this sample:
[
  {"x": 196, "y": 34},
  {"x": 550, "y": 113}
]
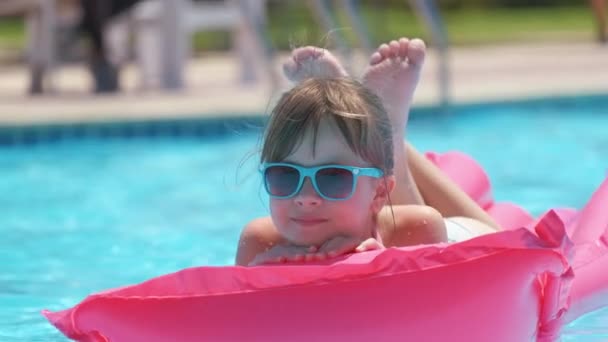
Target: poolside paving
[{"x": 213, "y": 89}]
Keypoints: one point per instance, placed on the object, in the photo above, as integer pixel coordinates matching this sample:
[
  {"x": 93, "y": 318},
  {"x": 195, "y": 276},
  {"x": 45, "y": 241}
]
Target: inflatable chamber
[{"x": 520, "y": 284}]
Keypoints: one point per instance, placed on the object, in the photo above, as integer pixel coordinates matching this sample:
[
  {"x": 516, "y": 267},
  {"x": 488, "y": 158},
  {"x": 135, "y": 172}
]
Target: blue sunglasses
[{"x": 331, "y": 182}]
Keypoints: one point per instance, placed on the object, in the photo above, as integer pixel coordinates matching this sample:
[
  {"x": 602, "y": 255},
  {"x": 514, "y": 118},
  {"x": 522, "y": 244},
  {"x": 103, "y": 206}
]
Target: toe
[
  {"x": 403, "y": 47},
  {"x": 290, "y": 67},
  {"x": 303, "y": 53},
  {"x": 317, "y": 52},
  {"x": 416, "y": 51},
  {"x": 394, "y": 48},
  {"x": 375, "y": 58},
  {"x": 384, "y": 50}
]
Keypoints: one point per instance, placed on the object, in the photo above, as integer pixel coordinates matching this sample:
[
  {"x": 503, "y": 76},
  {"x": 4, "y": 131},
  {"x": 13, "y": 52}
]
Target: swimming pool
[{"x": 100, "y": 208}]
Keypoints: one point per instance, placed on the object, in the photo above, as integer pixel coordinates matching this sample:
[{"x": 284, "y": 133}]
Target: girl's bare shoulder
[
  {"x": 256, "y": 237},
  {"x": 407, "y": 225}
]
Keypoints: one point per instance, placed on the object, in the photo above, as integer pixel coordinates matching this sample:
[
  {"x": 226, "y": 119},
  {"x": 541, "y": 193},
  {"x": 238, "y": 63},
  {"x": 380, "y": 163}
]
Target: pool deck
[{"x": 479, "y": 74}]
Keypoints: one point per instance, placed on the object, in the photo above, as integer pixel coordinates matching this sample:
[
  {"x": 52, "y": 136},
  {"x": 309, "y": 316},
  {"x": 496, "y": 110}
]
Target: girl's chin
[{"x": 305, "y": 239}]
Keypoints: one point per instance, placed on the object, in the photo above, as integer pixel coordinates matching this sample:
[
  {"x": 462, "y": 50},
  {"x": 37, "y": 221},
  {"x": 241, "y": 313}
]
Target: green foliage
[
  {"x": 12, "y": 35},
  {"x": 460, "y": 4}
]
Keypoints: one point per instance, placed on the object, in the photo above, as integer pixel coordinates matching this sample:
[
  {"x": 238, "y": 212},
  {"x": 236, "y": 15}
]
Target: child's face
[{"x": 307, "y": 218}]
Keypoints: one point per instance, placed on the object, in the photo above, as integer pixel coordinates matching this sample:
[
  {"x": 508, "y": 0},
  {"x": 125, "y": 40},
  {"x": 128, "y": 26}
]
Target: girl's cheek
[{"x": 278, "y": 208}]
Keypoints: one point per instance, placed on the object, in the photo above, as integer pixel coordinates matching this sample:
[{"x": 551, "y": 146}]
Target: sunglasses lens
[
  {"x": 335, "y": 182},
  {"x": 281, "y": 181}
]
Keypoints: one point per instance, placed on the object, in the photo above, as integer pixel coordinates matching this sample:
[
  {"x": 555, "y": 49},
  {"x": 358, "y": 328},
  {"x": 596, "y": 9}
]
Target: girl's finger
[
  {"x": 280, "y": 259},
  {"x": 333, "y": 254},
  {"x": 298, "y": 257},
  {"x": 369, "y": 245},
  {"x": 320, "y": 256},
  {"x": 362, "y": 248},
  {"x": 310, "y": 257},
  {"x": 333, "y": 244},
  {"x": 346, "y": 246}
]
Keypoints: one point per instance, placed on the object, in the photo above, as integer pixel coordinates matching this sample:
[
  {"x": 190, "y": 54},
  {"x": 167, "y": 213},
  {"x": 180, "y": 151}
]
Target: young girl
[{"x": 327, "y": 164}]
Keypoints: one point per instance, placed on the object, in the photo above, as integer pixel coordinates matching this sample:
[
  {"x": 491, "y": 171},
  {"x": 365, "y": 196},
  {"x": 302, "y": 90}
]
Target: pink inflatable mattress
[{"x": 521, "y": 284}]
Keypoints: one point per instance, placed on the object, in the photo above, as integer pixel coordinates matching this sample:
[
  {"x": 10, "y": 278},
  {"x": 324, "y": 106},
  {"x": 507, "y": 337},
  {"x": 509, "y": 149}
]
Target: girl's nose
[{"x": 308, "y": 195}]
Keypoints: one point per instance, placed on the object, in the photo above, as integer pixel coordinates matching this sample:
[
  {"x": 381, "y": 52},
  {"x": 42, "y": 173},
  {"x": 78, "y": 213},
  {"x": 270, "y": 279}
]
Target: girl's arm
[
  {"x": 442, "y": 193},
  {"x": 257, "y": 237}
]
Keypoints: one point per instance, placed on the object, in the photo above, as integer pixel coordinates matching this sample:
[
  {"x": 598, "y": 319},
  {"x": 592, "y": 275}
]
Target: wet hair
[{"x": 357, "y": 112}]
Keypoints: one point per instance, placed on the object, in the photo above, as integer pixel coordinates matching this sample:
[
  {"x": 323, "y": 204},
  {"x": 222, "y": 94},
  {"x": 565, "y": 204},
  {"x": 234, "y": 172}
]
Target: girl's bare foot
[
  {"x": 393, "y": 74},
  {"x": 309, "y": 61}
]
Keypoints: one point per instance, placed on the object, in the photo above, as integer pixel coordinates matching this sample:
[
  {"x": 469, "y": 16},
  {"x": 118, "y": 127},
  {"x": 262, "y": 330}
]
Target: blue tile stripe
[{"x": 203, "y": 128}]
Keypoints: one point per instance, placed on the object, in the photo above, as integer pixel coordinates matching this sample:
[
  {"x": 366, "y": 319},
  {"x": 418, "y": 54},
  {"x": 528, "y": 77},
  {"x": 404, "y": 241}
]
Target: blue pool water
[{"x": 82, "y": 215}]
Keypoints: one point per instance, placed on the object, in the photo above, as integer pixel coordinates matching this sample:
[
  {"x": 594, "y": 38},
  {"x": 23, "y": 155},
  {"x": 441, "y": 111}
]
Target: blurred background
[{"x": 70, "y": 48}]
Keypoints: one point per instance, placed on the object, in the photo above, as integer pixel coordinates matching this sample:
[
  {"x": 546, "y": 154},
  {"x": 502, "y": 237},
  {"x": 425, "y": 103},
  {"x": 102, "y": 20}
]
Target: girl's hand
[
  {"x": 341, "y": 245},
  {"x": 332, "y": 248},
  {"x": 370, "y": 244},
  {"x": 282, "y": 254}
]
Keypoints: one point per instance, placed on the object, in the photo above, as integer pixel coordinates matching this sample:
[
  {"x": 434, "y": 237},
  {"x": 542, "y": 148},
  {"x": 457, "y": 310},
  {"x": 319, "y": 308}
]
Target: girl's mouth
[{"x": 305, "y": 221}]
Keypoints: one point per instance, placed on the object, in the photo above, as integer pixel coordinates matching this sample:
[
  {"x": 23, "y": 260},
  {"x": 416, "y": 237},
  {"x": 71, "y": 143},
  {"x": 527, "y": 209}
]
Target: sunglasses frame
[{"x": 310, "y": 172}]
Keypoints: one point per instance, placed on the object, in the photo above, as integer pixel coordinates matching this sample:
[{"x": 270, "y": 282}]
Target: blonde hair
[{"x": 357, "y": 112}]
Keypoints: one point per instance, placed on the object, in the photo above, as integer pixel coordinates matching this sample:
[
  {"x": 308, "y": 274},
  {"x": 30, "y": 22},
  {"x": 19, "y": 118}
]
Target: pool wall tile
[{"x": 217, "y": 127}]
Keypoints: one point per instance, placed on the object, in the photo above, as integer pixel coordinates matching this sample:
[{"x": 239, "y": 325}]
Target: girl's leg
[
  {"x": 442, "y": 193},
  {"x": 393, "y": 74}
]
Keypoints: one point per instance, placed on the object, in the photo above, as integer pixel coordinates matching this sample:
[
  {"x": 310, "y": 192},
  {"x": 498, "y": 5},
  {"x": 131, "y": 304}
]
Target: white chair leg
[
  {"x": 116, "y": 38},
  {"x": 41, "y": 26},
  {"x": 34, "y": 53},
  {"x": 173, "y": 43},
  {"x": 148, "y": 43},
  {"x": 251, "y": 42},
  {"x": 244, "y": 44}
]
